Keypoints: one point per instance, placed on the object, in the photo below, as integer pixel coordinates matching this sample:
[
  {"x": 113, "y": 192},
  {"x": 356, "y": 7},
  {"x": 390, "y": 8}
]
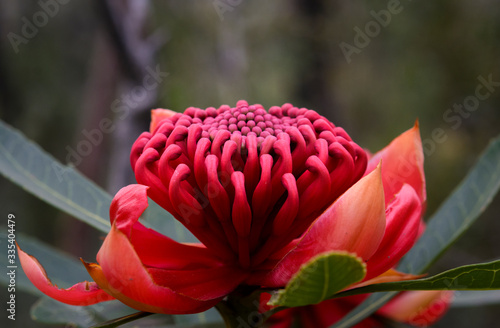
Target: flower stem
[{"x": 242, "y": 311}]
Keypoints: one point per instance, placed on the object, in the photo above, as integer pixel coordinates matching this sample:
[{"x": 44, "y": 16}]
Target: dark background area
[{"x": 65, "y": 66}]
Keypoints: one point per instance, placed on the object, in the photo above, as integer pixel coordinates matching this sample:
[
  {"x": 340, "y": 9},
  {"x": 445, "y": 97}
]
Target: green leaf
[
  {"x": 484, "y": 276},
  {"x": 364, "y": 310},
  {"x": 452, "y": 219},
  {"x": 159, "y": 219},
  {"x": 471, "y": 298},
  {"x": 49, "y": 311},
  {"x": 320, "y": 278},
  {"x": 27, "y": 165}
]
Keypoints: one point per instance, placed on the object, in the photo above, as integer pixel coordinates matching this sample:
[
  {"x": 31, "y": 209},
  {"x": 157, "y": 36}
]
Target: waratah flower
[{"x": 264, "y": 192}]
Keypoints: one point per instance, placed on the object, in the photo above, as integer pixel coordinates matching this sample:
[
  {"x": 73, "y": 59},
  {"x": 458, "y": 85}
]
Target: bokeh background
[{"x": 65, "y": 66}]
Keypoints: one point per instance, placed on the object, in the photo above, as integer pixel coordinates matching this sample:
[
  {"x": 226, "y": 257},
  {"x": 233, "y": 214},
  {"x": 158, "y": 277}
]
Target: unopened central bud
[{"x": 244, "y": 119}]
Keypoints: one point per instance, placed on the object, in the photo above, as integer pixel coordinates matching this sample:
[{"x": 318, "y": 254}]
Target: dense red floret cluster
[{"x": 245, "y": 181}]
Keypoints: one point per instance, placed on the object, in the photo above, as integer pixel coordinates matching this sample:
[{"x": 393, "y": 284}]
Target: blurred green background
[{"x": 65, "y": 66}]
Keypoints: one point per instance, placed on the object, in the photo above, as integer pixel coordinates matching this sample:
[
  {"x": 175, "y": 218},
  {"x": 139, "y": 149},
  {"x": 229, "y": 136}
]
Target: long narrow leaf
[
  {"x": 483, "y": 276},
  {"x": 157, "y": 218},
  {"x": 52, "y": 312},
  {"x": 452, "y": 219},
  {"x": 27, "y": 165},
  {"x": 49, "y": 311},
  {"x": 476, "y": 298}
]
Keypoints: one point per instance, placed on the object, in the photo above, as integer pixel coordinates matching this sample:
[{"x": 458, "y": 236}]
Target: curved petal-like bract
[
  {"x": 83, "y": 293},
  {"x": 147, "y": 293},
  {"x": 418, "y": 308},
  {"x": 354, "y": 223},
  {"x": 403, "y": 216},
  {"x": 402, "y": 163},
  {"x": 154, "y": 249},
  {"x": 158, "y": 115},
  {"x": 163, "y": 275}
]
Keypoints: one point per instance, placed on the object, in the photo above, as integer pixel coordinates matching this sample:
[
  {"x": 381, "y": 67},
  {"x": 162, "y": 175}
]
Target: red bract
[{"x": 264, "y": 192}]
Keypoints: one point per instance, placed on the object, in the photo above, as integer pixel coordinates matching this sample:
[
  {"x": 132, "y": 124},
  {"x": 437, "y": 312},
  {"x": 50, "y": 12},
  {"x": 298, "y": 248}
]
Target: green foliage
[
  {"x": 27, "y": 165},
  {"x": 50, "y": 311},
  {"x": 476, "y": 298},
  {"x": 320, "y": 278},
  {"x": 484, "y": 276},
  {"x": 114, "y": 313},
  {"x": 162, "y": 221}
]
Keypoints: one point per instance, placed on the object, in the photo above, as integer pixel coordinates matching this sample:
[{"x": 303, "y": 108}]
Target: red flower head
[
  {"x": 246, "y": 182},
  {"x": 264, "y": 192}
]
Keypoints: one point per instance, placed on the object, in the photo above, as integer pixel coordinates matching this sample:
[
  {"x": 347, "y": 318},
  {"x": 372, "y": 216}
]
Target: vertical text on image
[{"x": 11, "y": 266}]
